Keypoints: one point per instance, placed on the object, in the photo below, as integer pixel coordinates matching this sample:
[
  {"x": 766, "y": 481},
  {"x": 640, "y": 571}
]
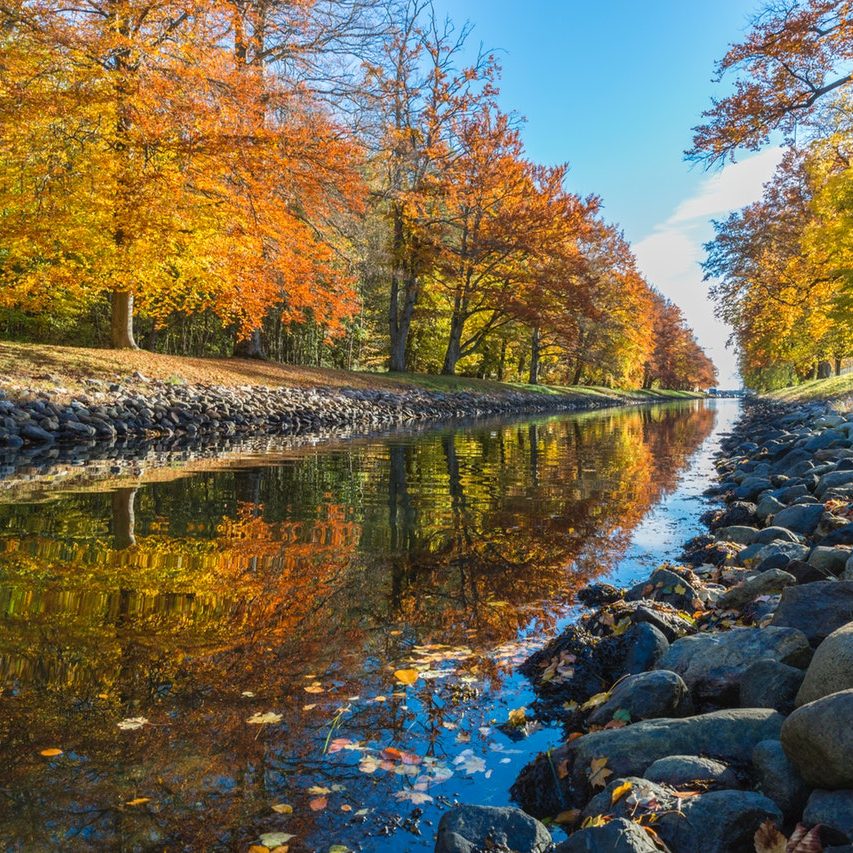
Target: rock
[
  {"x": 818, "y": 738},
  {"x": 665, "y": 585},
  {"x": 597, "y": 594},
  {"x": 802, "y": 518},
  {"x": 789, "y": 550},
  {"x": 816, "y": 609},
  {"x": 680, "y": 770},
  {"x": 778, "y": 779},
  {"x": 738, "y": 533},
  {"x": 712, "y": 664},
  {"x": 37, "y": 435},
  {"x": 770, "y": 684},
  {"x": 617, "y": 836},
  {"x": 764, "y": 583},
  {"x": 839, "y": 536},
  {"x": 721, "y": 822},
  {"x": 646, "y": 645},
  {"x": 645, "y": 696},
  {"x": 833, "y": 480},
  {"x": 727, "y": 735},
  {"x": 829, "y": 561},
  {"x": 472, "y": 829},
  {"x": 776, "y": 534},
  {"x": 737, "y": 513},
  {"x": 831, "y": 668},
  {"x": 667, "y": 622},
  {"x": 834, "y": 811},
  {"x": 804, "y": 572},
  {"x": 768, "y": 506},
  {"x": 751, "y": 487},
  {"x": 639, "y": 790}
]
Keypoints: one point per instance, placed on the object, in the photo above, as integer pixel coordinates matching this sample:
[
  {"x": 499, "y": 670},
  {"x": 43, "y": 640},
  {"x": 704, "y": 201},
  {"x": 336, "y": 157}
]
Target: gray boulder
[
  {"x": 617, "y": 836},
  {"x": 751, "y": 487},
  {"x": 800, "y": 518},
  {"x": 831, "y": 669},
  {"x": 818, "y": 738},
  {"x": 741, "y": 534},
  {"x": 776, "y": 534},
  {"x": 767, "y": 506},
  {"x": 833, "y": 480},
  {"x": 778, "y": 779},
  {"x": 679, "y": 770},
  {"x": 834, "y": 811},
  {"x": 828, "y": 560},
  {"x": 770, "y": 684},
  {"x": 766, "y": 583},
  {"x": 665, "y": 585},
  {"x": 816, "y": 609},
  {"x": 645, "y": 696},
  {"x": 727, "y": 735},
  {"x": 32, "y": 432},
  {"x": 713, "y": 664},
  {"x": 646, "y": 646},
  {"x": 790, "y": 550},
  {"x": 721, "y": 822},
  {"x": 471, "y": 829}
]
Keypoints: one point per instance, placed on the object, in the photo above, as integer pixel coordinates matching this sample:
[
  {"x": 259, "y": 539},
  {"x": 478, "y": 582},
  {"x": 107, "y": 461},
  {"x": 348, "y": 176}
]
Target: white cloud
[{"x": 671, "y": 255}]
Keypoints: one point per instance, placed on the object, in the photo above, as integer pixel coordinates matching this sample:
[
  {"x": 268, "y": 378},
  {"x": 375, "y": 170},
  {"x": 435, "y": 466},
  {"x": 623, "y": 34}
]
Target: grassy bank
[
  {"x": 834, "y": 388},
  {"x": 38, "y": 367}
]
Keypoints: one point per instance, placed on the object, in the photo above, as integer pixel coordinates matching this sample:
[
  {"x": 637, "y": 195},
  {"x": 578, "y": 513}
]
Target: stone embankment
[
  {"x": 714, "y": 700},
  {"x": 140, "y": 409}
]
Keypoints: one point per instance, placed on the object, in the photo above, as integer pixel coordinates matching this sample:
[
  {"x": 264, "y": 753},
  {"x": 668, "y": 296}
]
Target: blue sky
[{"x": 614, "y": 88}]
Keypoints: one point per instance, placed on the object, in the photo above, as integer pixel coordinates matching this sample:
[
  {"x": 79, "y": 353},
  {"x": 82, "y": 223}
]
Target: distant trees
[
  {"x": 329, "y": 181},
  {"x": 782, "y": 266}
]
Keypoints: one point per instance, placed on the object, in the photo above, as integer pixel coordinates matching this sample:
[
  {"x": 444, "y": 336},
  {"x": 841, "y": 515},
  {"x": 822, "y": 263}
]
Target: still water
[{"x": 313, "y": 648}]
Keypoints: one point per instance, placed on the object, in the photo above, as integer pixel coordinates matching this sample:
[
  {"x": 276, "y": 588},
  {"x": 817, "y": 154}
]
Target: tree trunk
[
  {"x": 576, "y": 378},
  {"x": 533, "y": 375},
  {"x": 824, "y": 370},
  {"x": 124, "y": 518},
  {"x": 838, "y": 366},
  {"x": 454, "y": 344},
  {"x": 121, "y": 327},
  {"x": 502, "y": 362},
  {"x": 251, "y": 347}
]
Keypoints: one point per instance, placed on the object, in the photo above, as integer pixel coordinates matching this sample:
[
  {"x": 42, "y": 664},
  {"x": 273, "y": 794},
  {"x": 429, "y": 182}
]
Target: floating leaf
[
  {"x": 619, "y": 791},
  {"x": 319, "y": 790},
  {"x": 416, "y": 797},
  {"x": 283, "y": 808},
  {"x": 318, "y": 804},
  {"x": 263, "y": 719},
  {"x": 517, "y": 716},
  {"x": 274, "y": 839},
  {"x": 131, "y": 723},
  {"x": 315, "y": 687},
  {"x": 258, "y": 848},
  {"x": 369, "y": 764},
  {"x": 406, "y": 676},
  {"x": 470, "y": 762},
  {"x": 138, "y": 801},
  {"x": 51, "y": 753},
  {"x": 598, "y": 772},
  {"x": 339, "y": 848}
]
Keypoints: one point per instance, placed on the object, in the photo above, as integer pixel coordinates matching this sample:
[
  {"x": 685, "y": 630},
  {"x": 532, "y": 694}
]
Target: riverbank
[
  {"x": 836, "y": 388},
  {"x": 59, "y": 395},
  {"x": 714, "y": 700}
]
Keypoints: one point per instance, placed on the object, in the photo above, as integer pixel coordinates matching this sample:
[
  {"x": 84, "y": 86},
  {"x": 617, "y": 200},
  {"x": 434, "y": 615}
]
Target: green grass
[{"x": 834, "y": 388}]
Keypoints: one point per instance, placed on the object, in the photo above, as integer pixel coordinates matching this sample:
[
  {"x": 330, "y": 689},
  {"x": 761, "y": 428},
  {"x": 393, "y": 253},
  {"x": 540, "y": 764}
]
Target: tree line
[
  {"x": 782, "y": 267},
  {"x": 326, "y": 182}
]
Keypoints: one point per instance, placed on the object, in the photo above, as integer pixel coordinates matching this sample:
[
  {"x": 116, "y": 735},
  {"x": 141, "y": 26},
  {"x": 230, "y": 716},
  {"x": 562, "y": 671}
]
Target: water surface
[{"x": 254, "y": 616}]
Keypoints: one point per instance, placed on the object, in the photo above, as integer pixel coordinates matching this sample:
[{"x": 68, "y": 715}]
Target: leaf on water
[
  {"x": 568, "y": 818},
  {"x": 283, "y": 808},
  {"x": 768, "y": 839},
  {"x": 138, "y": 801},
  {"x": 258, "y": 848},
  {"x": 339, "y": 848},
  {"x": 248, "y": 694},
  {"x": 314, "y": 687},
  {"x": 369, "y": 764},
  {"x": 129, "y": 724},
  {"x": 319, "y": 790},
  {"x": 619, "y": 791},
  {"x": 469, "y": 762},
  {"x": 380, "y": 699},
  {"x": 517, "y": 716},
  {"x": 309, "y": 707},
  {"x": 318, "y": 804},
  {"x": 416, "y": 797},
  {"x": 346, "y": 807},
  {"x": 406, "y": 676},
  {"x": 51, "y": 753},
  {"x": 362, "y": 812},
  {"x": 263, "y": 719},
  {"x": 598, "y": 772},
  {"x": 275, "y": 839}
]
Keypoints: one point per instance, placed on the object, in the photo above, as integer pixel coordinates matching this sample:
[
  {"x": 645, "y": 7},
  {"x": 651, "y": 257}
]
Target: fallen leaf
[
  {"x": 619, "y": 791},
  {"x": 258, "y": 848},
  {"x": 768, "y": 839},
  {"x": 283, "y": 808},
  {"x": 319, "y": 790},
  {"x": 595, "y": 701},
  {"x": 406, "y": 676},
  {"x": 595, "y": 820},
  {"x": 274, "y": 839},
  {"x": 316, "y": 687},
  {"x": 263, "y": 719},
  {"x": 339, "y": 848},
  {"x": 598, "y": 772},
  {"x": 416, "y": 797},
  {"x": 805, "y": 840},
  {"x": 318, "y": 804},
  {"x": 51, "y": 753},
  {"x": 131, "y": 723},
  {"x": 517, "y": 716},
  {"x": 138, "y": 801},
  {"x": 568, "y": 818}
]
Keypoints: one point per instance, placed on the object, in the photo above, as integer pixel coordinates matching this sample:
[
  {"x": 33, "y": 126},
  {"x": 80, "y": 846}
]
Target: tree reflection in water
[{"x": 299, "y": 588}]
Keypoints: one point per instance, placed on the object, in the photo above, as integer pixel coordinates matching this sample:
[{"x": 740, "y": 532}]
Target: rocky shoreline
[
  {"x": 708, "y": 709},
  {"x": 141, "y": 409}
]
